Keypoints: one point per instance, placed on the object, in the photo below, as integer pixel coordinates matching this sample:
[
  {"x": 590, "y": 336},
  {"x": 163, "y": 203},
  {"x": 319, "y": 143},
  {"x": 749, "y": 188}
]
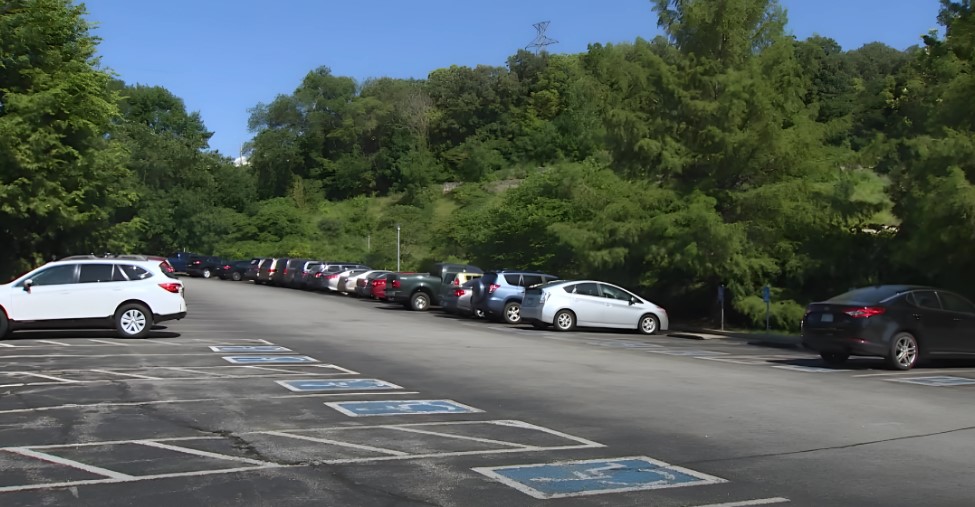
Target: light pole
[{"x": 397, "y": 248}]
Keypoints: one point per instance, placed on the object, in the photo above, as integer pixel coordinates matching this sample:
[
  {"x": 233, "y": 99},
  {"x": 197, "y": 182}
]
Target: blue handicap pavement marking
[
  {"x": 936, "y": 381},
  {"x": 596, "y": 476},
  {"x": 400, "y": 407},
  {"x": 356, "y": 384},
  {"x": 269, "y": 359},
  {"x": 249, "y": 348}
]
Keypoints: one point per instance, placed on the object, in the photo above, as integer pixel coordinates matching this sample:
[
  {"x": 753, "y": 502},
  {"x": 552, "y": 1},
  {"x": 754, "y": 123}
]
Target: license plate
[{"x": 826, "y": 317}]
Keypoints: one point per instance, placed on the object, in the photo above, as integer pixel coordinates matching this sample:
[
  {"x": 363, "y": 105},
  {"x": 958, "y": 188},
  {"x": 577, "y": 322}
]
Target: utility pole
[{"x": 397, "y": 248}]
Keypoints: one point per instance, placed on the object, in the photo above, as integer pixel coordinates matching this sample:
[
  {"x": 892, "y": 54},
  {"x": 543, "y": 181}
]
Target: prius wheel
[
  {"x": 133, "y": 321},
  {"x": 649, "y": 324},
  {"x": 904, "y": 352},
  {"x": 512, "y": 312},
  {"x": 565, "y": 321}
]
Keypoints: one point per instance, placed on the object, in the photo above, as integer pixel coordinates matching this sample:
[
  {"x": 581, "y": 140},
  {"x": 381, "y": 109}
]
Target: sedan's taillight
[
  {"x": 459, "y": 292},
  {"x": 171, "y": 287},
  {"x": 865, "y": 312}
]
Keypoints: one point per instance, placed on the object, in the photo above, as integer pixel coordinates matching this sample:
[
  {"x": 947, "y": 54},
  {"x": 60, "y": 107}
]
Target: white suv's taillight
[{"x": 171, "y": 287}]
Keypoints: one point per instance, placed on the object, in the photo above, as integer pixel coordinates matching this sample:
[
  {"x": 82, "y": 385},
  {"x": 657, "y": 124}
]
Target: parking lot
[{"x": 267, "y": 396}]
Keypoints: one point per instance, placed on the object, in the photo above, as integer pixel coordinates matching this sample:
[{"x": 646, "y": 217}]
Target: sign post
[
  {"x": 721, "y": 302},
  {"x": 767, "y": 297}
]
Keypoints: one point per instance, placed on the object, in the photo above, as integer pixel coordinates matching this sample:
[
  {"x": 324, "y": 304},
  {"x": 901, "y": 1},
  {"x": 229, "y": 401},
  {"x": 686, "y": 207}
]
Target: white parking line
[
  {"x": 198, "y": 372},
  {"x": 7, "y": 345},
  {"x": 748, "y": 503},
  {"x": 67, "y": 462},
  {"x": 197, "y": 452},
  {"x": 49, "y": 377},
  {"x": 123, "y": 374},
  {"x": 31, "y": 487},
  {"x": 461, "y": 437},
  {"x": 911, "y": 372},
  {"x": 194, "y": 400},
  {"x": 339, "y": 443},
  {"x": 106, "y": 342},
  {"x": 52, "y": 342}
]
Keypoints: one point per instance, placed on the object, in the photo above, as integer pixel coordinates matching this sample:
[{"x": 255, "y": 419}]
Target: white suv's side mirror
[{"x": 27, "y": 285}]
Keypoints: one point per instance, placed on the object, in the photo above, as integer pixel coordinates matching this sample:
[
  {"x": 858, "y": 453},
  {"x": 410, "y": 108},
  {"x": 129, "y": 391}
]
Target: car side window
[
  {"x": 118, "y": 275},
  {"x": 614, "y": 293},
  {"x": 513, "y": 279},
  {"x": 96, "y": 273},
  {"x": 135, "y": 272},
  {"x": 954, "y": 303},
  {"x": 927, "y": 299},
  {"x": 531, "y": 280},
  {"x": 55, "y": 275},
  {"x": 583, "y": 289}
]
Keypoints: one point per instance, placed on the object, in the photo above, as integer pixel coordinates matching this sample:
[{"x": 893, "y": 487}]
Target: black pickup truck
[{"x": 420, "y": 291}]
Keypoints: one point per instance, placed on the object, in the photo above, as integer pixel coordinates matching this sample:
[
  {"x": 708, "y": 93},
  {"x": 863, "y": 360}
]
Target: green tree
[{"x": 60, "y": 176}]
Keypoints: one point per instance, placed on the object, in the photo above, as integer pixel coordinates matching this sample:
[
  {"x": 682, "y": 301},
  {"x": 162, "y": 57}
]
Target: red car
[{"x": 378, "y": 285}]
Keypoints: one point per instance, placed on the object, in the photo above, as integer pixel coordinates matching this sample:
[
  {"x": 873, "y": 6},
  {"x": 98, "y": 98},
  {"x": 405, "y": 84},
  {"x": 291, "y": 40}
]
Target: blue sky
[{"x": 223, "y": 57}]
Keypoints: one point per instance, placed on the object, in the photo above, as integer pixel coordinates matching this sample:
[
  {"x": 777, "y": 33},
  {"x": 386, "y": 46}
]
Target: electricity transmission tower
[{"x": 541, "y": 40}]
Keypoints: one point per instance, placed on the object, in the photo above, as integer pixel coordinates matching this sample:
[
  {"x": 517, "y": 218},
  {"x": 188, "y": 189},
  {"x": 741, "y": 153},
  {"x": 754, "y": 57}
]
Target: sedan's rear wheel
[
  {"x": 565, "y": 320},
  {"x": 512, "y": 312},
  {"x": 206, "y": 273},
  {"x": 834, "y": 358},
  {"x": 236, "y": 276},
  {"x": 479, "y": 313},
  {"x": 904, "y": 352},
  {"x": 133, "y": 321}
]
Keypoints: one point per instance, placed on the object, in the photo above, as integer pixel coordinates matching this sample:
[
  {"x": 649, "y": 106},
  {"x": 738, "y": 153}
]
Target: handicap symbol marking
[
  {"x": 269, "y": 359},
  {"x": 400, "y": 407},
  {"x": 356, "y": 384},
  {"x": 810, "y": 369},
  {"x": 249, "y": 348},
  {"x": 935, "y": 381},
  {"x": 596, "y": 476}
]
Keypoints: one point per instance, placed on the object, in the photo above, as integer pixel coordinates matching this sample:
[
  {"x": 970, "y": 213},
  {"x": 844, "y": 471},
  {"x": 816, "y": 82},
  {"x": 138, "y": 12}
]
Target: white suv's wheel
[{"x": 133, "y": 321}]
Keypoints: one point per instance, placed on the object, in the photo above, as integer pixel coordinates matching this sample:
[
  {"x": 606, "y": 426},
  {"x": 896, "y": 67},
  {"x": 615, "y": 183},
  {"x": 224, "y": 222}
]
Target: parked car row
[{"x": 505, "y": 295}]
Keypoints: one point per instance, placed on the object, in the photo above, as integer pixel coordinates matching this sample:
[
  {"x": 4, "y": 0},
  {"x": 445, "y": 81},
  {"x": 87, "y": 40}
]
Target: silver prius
[{"x": 588, "y": 303}]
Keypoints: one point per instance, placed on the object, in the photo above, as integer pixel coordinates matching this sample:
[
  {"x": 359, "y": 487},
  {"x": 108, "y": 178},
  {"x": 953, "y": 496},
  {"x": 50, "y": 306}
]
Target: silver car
[
  {"x": 458, "y": 300},
  {"x": 589, "y": 303}
]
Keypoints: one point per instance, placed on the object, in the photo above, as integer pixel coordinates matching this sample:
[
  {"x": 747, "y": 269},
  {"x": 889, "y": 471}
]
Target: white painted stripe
[
  {"x": 52, "y": 342},
  {"x": 913, "y": 372},
  {"x": 463, "y": 437},
  {"x": 550, "y": 431},
  {"x": 196, "y": 400},
  {"x": 101, "y": 356},
  {"x": 110, "y": 343},
  {"x": 342, "y": 461},
  {"x": 16, "y": 385},
  {"x": 198, "y": 372},
  {"x": 747, "y": 503},
  {"x": 7, "y": 345},
  {"x": 123, "y": 374},
  {"x": 30, "y": 487},
  {"x": 49, "y": 377},
  {"x": 339, "y": 443},
  {"x": 23, "y": 451},
  {"x": 197, "y": 452},
  {"x": 265, "y": 341}
]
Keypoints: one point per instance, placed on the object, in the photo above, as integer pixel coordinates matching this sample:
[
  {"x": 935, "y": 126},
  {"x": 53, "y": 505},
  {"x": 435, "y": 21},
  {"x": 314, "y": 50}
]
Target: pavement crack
[{"x": 834, "y": 447}]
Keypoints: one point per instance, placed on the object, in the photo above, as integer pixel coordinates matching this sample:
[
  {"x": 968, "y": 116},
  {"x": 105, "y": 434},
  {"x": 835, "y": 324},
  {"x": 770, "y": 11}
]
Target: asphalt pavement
[{"x": 265, "y": 396}]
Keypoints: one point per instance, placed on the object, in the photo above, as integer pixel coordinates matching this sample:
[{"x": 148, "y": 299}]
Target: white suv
[{"x": 127, "y": 293}]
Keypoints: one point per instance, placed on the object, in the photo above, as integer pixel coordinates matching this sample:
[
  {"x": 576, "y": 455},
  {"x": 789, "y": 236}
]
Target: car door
[
  {"x": 99, "y": 291},
  {"x": 618, "y": 310},
  {"x": 49, "y": 297},
  {"x": 962, "y": 313},
  {"x": 587, "y": 303},
  {"x": 936, "y": 326}
]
